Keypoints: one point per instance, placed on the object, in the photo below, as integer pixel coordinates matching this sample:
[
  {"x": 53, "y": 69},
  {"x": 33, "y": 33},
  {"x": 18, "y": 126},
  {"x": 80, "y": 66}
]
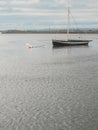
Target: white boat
[
  {"x": 29, "y": 45},
  {"x": 69, "y": 42}
]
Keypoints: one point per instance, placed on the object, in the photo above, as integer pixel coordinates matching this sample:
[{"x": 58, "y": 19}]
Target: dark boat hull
[{"x": 59, "y": 43}]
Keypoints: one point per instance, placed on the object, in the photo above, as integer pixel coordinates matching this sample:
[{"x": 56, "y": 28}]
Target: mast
[{"x": 68, "y": 23}]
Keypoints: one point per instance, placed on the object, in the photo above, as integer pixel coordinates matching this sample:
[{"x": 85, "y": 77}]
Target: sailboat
[{"x": 69, "y": 42}]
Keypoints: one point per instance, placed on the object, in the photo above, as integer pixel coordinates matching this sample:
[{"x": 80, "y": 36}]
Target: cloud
[
  {"x": 48, "y": 11},
  {"x": 24, "y": 2}
]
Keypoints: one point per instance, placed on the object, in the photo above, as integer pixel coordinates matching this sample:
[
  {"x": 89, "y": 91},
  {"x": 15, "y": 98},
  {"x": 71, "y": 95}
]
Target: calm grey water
[{"x": 44, "y": 88}]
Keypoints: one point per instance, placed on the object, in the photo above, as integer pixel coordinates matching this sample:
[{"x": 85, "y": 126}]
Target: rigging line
[
  {"x": 69, "y": 22},
  {"x": 74, "y": 21},
  {"x": 68, "y": 2},
  {"x": 83, "y": 32},
  {"x": 77, "y": 25}
]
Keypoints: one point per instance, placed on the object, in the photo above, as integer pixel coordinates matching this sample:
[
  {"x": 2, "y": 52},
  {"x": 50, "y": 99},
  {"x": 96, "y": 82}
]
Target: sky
[{"x": 47, "y": 14}]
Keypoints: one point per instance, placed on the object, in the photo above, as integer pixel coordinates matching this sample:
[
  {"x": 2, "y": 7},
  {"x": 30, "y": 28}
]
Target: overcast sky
[{"x": 33, "y": 14}]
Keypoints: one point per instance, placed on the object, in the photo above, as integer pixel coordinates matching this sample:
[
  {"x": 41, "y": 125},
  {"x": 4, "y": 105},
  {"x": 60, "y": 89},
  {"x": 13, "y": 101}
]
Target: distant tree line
[{"x": 49, "y": 31}]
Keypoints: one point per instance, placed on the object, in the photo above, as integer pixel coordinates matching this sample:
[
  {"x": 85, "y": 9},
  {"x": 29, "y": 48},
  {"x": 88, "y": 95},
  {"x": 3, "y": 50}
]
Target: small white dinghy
[{"x": 29, "y": 45}]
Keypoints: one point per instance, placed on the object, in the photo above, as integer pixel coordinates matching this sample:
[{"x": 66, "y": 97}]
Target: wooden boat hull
[{"x": 59, "y": 43}]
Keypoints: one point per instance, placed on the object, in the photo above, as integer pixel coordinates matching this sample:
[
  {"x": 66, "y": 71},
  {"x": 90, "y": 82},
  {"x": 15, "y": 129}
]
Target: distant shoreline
[{"x": 47, "y": 31}]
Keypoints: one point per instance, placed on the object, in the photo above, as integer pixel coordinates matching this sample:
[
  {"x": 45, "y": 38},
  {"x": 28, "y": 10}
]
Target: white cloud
[
  {"x": 63, "y": 3},
  {"x": 24, "y": 2},
  {"x": 84, "y": 11},
  {"x": 28, "y": 12},
  {"x": 3, "y": 3},
  {"x": 1, "y": 8}
]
